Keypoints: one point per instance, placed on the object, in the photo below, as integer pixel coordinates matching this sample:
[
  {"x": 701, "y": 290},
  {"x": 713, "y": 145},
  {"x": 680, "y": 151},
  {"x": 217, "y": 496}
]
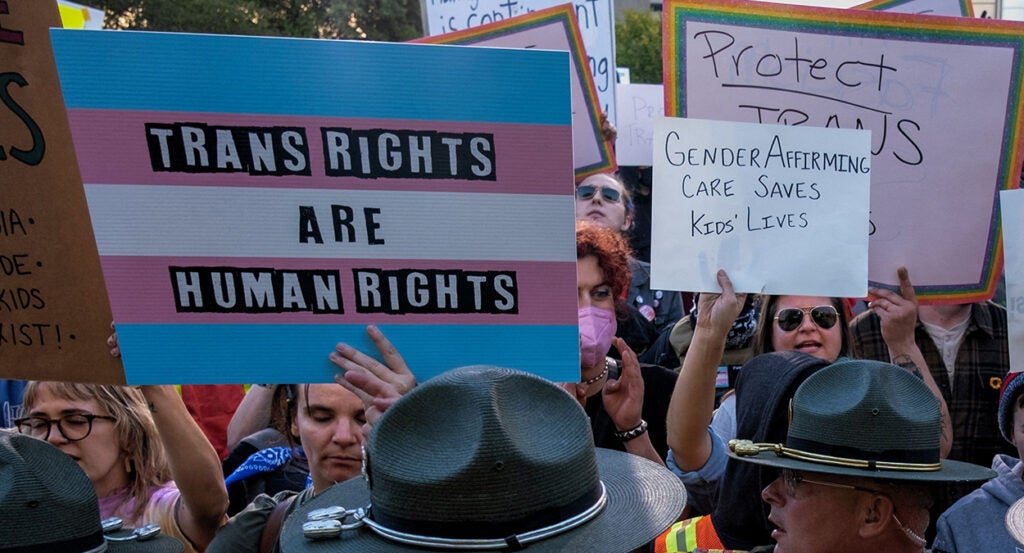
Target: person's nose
[
  {"x": 583, "y": 299},
  {"x": 54, "y": 436},
  {"x": 807, "y": 323},
  {"x": 348, "y": 432},
  {"x": 774, "y": 493}
]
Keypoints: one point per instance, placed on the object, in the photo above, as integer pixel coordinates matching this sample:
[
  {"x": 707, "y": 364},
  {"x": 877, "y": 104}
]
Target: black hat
[
  {"x": 485, "y": 456},
  {"x": 863, "y": 418},
  {"x": 48, "y": 504}
]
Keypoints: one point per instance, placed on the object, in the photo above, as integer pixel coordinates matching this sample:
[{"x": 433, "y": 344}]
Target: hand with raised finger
[
  {"x": 395, "y": 371},
  {"x": 377, "y": 384},
  {"x": 624, "y": 398},
  {"x": 376, "y": 395},
  {"x": 897, "y": 311}
]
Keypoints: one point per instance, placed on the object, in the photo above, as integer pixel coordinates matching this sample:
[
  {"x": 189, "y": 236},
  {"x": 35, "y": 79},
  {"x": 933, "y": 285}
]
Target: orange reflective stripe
[{"x": 706, "y": 536}]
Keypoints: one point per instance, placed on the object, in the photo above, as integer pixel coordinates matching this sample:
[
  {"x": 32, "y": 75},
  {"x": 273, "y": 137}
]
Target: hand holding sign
[
  {"x": 379, "y": 385},
  {"x": 719, "y": 311}
]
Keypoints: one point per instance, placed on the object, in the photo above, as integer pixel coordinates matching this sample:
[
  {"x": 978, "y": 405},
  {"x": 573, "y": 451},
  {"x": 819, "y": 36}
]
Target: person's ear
[
  {"x": 875, "y": 515},
  {"x": 293, "y": 410}
]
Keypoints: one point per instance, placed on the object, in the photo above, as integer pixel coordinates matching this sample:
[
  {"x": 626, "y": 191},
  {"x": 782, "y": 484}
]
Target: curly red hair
[{"x": 612, "y": 254}]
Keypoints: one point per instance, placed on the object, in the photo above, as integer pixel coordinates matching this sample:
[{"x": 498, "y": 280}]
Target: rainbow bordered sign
[
  {"x": 257, "y": 200},
  {"x": 953, "y": 8},
  {"x": 941, "y": 96},
  {"x": 552, "y": 29}
]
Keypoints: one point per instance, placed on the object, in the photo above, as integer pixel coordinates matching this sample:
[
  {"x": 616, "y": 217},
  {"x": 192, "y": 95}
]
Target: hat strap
[
  {"x": 514, "y": 542},
  {"x": 747, "y": 448},
  {"x": 93, "y": 543}
]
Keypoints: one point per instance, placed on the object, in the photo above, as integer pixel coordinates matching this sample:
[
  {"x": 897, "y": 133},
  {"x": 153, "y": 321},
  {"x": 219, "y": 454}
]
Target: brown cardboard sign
[{"x": 54, "y": 313}]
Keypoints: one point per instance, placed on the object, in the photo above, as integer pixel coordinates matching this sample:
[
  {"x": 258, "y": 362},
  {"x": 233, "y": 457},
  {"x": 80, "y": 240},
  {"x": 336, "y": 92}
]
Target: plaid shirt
[{"x": 981, "y": 363}]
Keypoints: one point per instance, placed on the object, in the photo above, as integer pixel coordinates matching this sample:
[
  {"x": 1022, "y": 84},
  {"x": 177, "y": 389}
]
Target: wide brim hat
[
  {"x": 498, "y": 444},
  {"x": 863, "y": 418},
  {"x": 47, "y": 504}
]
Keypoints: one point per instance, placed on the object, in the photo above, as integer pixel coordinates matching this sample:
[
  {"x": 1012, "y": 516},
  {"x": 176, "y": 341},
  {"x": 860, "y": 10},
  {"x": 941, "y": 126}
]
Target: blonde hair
[{"x": 136, "y": 432}]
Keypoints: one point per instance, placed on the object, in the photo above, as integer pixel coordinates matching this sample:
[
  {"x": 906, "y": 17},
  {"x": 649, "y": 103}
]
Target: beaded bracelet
[
  {"x": 608, "y": 361},
  {"x": 635, "y": 432}
]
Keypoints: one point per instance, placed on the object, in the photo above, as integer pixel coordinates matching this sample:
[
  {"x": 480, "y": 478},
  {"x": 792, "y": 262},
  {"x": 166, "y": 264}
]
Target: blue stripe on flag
[
  {"x": 288, "y": 76},
  {"x": 232, "y": 353}
]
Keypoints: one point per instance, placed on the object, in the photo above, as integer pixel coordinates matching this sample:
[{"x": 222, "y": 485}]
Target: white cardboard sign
[
  {"x": 784, "y": 210},
  {"x": 596, "y": 19},
  {"x": 1012, "y": 209}
]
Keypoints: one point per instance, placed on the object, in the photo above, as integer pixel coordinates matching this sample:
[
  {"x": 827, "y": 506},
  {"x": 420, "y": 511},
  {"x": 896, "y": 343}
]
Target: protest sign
[
  {"x": 1012, "y": 210},
  {"x": 636, "y": 115},
  {"x": 596, "y": 22},
  {"x": 77, "y": 16},
  {"x": 621, "y": 76},
  {"x": 552, "y": 29},
  {"x": 782, "y": 209},
  {"x": 251, "y": 213},
  {"x": 639, "y": 106},
  {"x": 54, "y": 314},
  {"x": 953, "y": 8},
  {"x": 941, "y": 96}
]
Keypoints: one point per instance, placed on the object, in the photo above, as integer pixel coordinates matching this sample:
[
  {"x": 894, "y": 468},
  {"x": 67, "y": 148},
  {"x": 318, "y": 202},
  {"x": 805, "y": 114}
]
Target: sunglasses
[
  {"x": 587, "y": 191},
  {"x": 824, "y": 316}
]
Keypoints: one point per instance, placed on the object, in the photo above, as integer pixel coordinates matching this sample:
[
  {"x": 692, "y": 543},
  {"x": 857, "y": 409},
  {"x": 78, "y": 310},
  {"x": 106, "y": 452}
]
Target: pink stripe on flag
[
  {"x": 112, "y": 149},
  {"x": 141, "y": 291}
]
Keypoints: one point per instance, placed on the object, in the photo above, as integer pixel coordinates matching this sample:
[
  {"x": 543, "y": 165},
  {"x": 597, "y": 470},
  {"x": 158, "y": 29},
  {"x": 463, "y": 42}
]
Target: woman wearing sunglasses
[
  {"x": 146, "y": 457},
  {"x": 815, "y": 325},
  {"x": 603, "y": 200},
  {"x": 818, "y": 326}
]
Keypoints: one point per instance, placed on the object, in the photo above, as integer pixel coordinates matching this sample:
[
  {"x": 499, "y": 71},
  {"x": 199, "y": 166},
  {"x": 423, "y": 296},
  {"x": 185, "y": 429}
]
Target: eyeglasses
[
  {"x": 792, "y": 479},
  {"x": 587, "y": 191},
  {"x": 73, "y": 427},
  {"x": 824, "y": 316}
]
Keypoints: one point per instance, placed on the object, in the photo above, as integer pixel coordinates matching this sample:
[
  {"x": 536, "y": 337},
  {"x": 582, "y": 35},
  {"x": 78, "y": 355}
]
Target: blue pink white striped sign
[{"x": 257, "y": 200}]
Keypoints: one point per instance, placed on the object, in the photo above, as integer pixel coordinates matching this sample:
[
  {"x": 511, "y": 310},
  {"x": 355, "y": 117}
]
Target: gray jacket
[{"x": 977, "y": 522}]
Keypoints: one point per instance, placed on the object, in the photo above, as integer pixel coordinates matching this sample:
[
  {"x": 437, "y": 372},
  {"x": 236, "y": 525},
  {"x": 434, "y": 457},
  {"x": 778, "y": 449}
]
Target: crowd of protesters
[{"x": 839, "y": 433}]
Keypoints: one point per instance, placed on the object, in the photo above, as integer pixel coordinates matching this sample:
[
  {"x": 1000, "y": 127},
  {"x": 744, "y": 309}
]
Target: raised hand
[{"x": 377, "y": 384}]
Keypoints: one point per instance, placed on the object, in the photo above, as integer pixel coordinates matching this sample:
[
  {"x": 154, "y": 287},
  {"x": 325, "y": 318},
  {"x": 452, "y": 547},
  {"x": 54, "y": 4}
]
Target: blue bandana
[{"x": 264, "y": 461}]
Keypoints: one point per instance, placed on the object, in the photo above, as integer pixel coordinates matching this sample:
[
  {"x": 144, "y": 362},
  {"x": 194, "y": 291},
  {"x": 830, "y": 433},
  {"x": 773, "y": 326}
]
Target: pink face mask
[{"x": 597, "y": 329}]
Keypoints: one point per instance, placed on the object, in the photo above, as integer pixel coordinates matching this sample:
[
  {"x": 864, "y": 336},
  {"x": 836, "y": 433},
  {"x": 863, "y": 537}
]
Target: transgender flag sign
[{"x": 258, "y": 200}]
